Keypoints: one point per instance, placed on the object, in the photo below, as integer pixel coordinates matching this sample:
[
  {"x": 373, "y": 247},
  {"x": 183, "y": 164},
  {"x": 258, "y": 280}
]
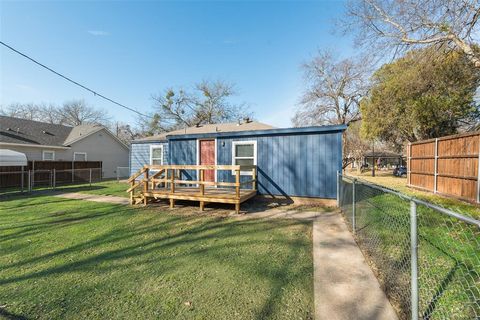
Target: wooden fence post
[
  {"x": 409, "y": 164},
  {"x": 478, "y": 172},
  {"x": 435, "y": 170}
]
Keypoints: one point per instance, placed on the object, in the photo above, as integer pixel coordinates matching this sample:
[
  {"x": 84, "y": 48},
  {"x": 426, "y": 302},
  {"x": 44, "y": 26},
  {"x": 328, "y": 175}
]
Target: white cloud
[{"x": 100, "y": 33}]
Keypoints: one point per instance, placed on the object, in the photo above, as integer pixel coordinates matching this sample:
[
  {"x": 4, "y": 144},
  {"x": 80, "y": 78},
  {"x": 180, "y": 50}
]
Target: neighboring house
[
  {"x": 41, "y": 141},
  {"x": 291, "y": 162}
]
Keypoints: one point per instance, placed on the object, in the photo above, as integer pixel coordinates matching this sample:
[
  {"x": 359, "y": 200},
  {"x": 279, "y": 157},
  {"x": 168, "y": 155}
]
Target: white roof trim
[{"x": 43, "y": 146}]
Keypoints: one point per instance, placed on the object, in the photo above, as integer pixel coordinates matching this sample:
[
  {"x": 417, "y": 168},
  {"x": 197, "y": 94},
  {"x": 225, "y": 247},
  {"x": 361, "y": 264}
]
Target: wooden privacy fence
[{"x": 447, "y": 165}]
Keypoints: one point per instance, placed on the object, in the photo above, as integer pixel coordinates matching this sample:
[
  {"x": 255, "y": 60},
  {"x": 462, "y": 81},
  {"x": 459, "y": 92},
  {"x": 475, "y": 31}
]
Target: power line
[{"x": 72, "y": 81}]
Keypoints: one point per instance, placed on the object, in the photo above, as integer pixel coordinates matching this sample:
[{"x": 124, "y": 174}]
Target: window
[
  {"x": 48, "y": 155},
  {"x": 156, "y": 155},
  {"x": 79, "y": 156},
  {"x": 244, "y": 153}
]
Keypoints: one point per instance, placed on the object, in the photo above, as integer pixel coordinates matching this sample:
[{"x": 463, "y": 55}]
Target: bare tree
[
  {"x": 124, "y": 132},
  {"x": 27, "y": 111},
  {"x": 333, "y": 90},
  {"x": 401, "y": 24},
  {"x": 77, "y": 112},
  {"x": 209, "y": 102}
]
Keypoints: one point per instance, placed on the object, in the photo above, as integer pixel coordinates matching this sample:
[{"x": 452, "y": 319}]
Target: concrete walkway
[
  {"x": 93, "y": 197},
  {"x": 345, "y": 286}
]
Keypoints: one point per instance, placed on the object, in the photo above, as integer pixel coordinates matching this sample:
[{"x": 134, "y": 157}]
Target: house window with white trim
[
  {"x": 48, "y": 155},
  {"x": 244, "y": 153},
  {"x": 79, "y": 156},
  {"x": 156, "y": 155}
]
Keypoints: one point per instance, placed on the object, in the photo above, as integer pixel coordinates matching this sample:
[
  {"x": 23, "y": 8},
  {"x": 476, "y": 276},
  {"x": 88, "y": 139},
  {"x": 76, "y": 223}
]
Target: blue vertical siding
[
  {"x": 184, "y": 152},
  {"x": 293, "y": 164},
  {"x": 140, "y": 155}
]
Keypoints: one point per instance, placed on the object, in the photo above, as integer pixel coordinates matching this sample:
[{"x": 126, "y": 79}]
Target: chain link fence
[
  {"x": 427, "y": 258},
  {"x": 29, "y": 180},
  {"x": 123, "y": 173}
]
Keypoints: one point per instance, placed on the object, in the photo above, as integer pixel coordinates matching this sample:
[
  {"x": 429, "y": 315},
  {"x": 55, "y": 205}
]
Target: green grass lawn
[
  {"x": 448, "y": 254},
  {"x": 70, "y": 259},
  {"x": 388, "y": 180},
  {"x": 108, "y": 188}
]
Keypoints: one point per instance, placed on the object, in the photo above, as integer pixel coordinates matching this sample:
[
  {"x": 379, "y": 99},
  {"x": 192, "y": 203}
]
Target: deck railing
[{"x": 169, "y": 176}]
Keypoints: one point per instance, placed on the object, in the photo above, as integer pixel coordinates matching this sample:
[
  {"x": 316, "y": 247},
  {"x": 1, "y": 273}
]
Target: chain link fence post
[
  {"x": 29, "y": 181},
  {"x": 353, "y": 204},
  {"x": 338, "y": 189},
  {"x": 90, "y": 177},
  {"x": 54, "y": 178},
  {"x": 22, "y": 178},
  {"x": 414, "y": 259}
]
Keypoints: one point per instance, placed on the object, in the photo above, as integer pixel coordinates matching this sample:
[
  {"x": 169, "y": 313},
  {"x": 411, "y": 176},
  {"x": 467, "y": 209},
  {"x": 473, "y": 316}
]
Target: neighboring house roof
[
  {"x": 29, "y": 132},
  {"x": 22, "y": 131},
  {"x": 211, "y": 128},
  {"x": 80, "y": 132}
]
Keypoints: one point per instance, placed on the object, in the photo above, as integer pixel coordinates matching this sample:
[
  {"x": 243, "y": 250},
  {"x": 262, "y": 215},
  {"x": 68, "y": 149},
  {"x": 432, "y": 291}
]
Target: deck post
[
  {"x": 172, "y": 203},
  {"x": 237, "y": 191},
  {"x": 145, "y": 187},
  {"x": 172, "y": 183},
  {"x": 131, "y": 192},
  {"x": 202, "y": 205},
  {"x": 202, "y": 179},
  {"x": 254, "y": 178},
  {"x": 237, "y": 183}
]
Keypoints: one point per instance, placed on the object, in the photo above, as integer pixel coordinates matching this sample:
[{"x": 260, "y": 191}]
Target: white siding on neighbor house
[
  {"x": 101, "y": 146},
  {"x": 140, "y": 155},
  {"x": 35, "y": 153}
]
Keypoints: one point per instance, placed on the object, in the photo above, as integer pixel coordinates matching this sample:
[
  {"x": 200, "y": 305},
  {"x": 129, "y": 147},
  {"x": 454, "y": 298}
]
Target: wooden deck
[{"x": 166, "y": 183}]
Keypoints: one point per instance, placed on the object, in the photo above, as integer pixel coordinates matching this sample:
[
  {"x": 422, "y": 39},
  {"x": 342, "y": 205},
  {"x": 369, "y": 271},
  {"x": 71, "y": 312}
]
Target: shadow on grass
[
  {"x": 151, "y": 242},
  {"x": 11, "y": 316}
]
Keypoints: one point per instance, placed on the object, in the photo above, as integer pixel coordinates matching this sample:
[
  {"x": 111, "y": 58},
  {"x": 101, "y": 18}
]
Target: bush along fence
[
  {"x": 447, "y": 165},
  {"x": 13, "y": 179},
  {"x": 427, "y": 258}
]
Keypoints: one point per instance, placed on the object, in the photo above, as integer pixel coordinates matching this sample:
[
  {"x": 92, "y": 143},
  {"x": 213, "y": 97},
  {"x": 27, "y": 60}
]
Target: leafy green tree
[{"x": 427, "y": 93}]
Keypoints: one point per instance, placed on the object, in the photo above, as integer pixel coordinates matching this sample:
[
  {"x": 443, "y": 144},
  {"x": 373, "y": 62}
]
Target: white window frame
[
  {"x": 157, "y": 146},
  {"x": 75, "y": 153},
  {"x": 234, "y": 144},
  {"x": 48, "y": 151}
]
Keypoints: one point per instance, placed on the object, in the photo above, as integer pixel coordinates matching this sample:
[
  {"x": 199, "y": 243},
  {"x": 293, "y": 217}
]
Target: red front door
[{"x": 207, "y": 157}]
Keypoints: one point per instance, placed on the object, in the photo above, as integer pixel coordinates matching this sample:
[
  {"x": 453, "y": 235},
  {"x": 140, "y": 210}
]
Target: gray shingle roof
[
  {"x": 211, "y": 128},
  {"x": 16, "y": 130}
]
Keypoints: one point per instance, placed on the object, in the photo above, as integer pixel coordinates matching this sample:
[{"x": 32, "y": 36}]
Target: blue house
[{"x": 291, "y": 162}]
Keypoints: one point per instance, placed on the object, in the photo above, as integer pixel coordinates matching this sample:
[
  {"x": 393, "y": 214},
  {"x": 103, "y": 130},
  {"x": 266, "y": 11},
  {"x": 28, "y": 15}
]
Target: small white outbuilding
[{"x": 10, "y": 158}]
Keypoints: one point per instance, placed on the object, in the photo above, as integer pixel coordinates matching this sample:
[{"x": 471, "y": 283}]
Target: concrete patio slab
[{"x": 93, "y": 197}]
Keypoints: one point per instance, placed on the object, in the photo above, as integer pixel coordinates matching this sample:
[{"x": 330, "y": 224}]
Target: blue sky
[{"x": 131, "y": 50}]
